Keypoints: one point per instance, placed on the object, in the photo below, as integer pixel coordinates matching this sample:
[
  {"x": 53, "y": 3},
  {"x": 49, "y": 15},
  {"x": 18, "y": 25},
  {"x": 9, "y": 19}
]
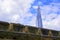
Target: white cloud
[
  {"x": 14, "y": 18},
  {"x": 35, "y": 7},
  {"x": 15, "y": 10},
  {"x": 52, "y": 24},
  {"x": 50, "y": 16},
  {"x": 33, "y": 21},
  {"x": 5, "y": 5}
]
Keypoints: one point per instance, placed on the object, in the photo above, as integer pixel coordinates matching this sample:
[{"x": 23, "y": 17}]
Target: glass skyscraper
[{"x": 39, "y": 19}]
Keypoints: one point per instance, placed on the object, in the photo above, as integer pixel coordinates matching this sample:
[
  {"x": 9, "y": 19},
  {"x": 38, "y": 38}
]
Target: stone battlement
[{"x": 24, "y": 32}]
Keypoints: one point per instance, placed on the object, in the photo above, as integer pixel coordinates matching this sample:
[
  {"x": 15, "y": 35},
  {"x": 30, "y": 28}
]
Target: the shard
[{"x": 39, "y": 19}]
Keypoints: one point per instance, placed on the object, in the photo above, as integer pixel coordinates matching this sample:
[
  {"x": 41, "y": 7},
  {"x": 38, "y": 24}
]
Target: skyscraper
[{"x": 39, "y": 19}]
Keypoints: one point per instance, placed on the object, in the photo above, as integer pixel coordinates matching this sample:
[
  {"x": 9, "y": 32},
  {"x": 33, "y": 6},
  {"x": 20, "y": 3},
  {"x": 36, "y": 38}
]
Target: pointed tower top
[{"x": 39, "y": 19}]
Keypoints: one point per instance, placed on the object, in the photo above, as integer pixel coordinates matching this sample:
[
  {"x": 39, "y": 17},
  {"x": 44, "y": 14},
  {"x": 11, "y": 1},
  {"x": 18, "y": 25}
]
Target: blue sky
[{"x": 24, "y": 12}]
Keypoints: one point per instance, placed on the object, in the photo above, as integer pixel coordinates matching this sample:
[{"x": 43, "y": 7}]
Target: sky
[{"x": 25, "y": 12}]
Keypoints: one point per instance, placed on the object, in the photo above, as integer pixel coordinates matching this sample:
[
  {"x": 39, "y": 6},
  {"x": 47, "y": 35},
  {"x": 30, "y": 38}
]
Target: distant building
[{"x": 39, "y": 19}]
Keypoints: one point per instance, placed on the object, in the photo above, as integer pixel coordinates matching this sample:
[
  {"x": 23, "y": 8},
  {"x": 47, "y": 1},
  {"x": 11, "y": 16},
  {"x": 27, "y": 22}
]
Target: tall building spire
[{"x": 39, "y": 19}]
